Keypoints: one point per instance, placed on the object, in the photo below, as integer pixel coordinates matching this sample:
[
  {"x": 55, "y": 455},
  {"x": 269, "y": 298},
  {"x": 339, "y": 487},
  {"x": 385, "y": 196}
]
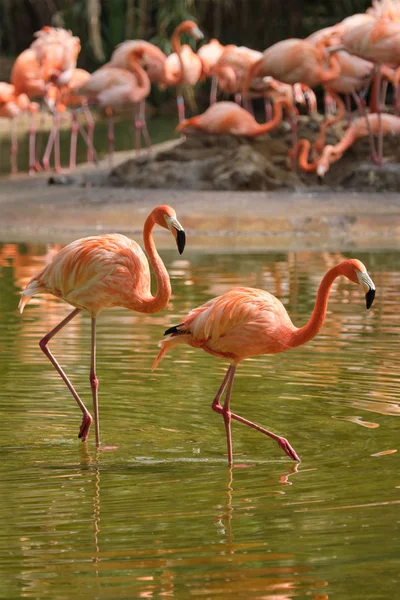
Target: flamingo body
[
  {"x": 247, "y": 322},
  {"x": 98, "y": 272},
  {"x": 229, "y": 118}
]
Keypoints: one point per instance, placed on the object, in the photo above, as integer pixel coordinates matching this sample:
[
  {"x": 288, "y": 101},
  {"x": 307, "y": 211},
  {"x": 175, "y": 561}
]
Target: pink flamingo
[
  {"x": 292, "y": 61},
  {"x": 378, "y": 41},
  {"x": 209, "y": 55},
  {"x": 99, "y": 272},
  {"x": 150, "y": 58},
  {"x": 12, "y": 106},
  {"x": 183, "y": 66},
  {"x": 389, "y": 124},
  {"x": 233, "y": 67},
  {"x": 230, "y": 118},
  {"x": 247, "y": 322},
  {"x": 112, "y": 88}
]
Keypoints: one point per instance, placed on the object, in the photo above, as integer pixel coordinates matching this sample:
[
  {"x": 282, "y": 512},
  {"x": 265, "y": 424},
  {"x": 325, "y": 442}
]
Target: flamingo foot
[
  {"x": 287, "y": 448},
  {"x": 85, "y": 426}
]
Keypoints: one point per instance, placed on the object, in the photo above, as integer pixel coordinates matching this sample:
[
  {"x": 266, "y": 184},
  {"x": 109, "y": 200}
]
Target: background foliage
[{"x": 102, "y": 24}]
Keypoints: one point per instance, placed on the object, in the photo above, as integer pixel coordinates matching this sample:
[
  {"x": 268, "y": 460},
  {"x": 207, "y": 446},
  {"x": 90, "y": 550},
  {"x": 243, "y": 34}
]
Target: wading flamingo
[
  {"x": 230, "y": 118},
  {"x": 152, "y": 60},
  {"x": 98, "y": 272},
  {"x": 12, "y": 106},
  {"x": 246, "y": 322},
  {"x": 113, "y": 88},
  {"x": 390, "y": 124},
  {"x": 183, "y": 66},
  {"x": 209, "y": 55}
]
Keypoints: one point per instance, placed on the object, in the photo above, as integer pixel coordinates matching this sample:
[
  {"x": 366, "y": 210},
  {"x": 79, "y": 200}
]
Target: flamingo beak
[
  {"x": 197, "y": 34},
  {"x": 178, "y": 232},
  {"x": 368, "y": 287}
]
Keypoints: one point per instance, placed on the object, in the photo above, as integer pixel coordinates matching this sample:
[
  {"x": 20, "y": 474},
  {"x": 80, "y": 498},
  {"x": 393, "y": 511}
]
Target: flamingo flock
[{"x": 360, "y": 52}]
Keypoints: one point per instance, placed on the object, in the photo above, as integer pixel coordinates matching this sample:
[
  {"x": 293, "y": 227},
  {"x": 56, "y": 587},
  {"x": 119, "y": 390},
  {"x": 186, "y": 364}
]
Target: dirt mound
[{"x": 210, "y": 162}]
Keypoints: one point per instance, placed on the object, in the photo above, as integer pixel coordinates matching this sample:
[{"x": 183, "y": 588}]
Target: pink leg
[
  {"x": 238, "y": 99},
  {"x": 32, "y": 146},
  {"x": 94, "y": 383},
  {"x": 90, "y": 133},
  {"x": 74, "y": 140},
  {"x": 361, "y": 109},
  {"x": 378, "y": 110},
  {"x": 214, "y": 90},
  {"x": 138, "y": 128},
  {"x": 267, "y": 108},
  {"x": 14, "y": 148},
  {"x": 181, "y": 104},
  {"x": 87, "y": 419},
  {"x": 57, "y": 163},
  {"x": 111, "y": 140},
  {"x": 145, "y": 131},
  {"x": 49, "y": 146},
  {"x": 225, "y": 411}
]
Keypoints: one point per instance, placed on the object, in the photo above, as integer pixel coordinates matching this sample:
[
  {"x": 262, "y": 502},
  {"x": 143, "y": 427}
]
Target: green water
[
  {"x": 162, "y": 515},
  {"x": 160, "y": 130}
]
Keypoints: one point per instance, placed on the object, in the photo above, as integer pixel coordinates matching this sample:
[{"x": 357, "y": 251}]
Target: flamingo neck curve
[
  {"x": 304, "y": 334},
  {"x": 152, "y": 304}
]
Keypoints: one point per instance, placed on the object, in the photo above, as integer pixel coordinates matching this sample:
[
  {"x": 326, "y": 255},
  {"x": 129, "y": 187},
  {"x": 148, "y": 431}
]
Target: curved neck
[
  {"x": 306, "y": 333},
  {"x": 143, "y": 80},
  {"x": 152, "y": 304},
  {"x": 347, "y": 140},
  {"x": 333, "y": 71},
  {"x": 276, "y": 119},
  {"x": 176, "y": 45},
  {"x": 303, "y": 150}
]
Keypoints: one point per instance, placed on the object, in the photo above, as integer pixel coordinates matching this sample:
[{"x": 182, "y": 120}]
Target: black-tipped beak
[
  {"x": 369, "y": 297},
  {"x": 180, "y": 240}
]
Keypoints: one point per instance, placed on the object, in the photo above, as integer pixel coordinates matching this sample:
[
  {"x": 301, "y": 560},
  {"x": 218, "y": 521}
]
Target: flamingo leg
[
  {"x": 87, "y": 419},
  {"x": 57, "y": 163},
  {"x": 32, "y": 145},
  {"x": 360, "y": 102},
  {"x": 110, "y": 138},
  {"x": 180, "y": 103},
  {"x": 214, "y": 90},
  {"x": 74, "y": 140},
  {"x": 378, "y": 76},
  {"x": 49, "y": 146},
  {"x": 94, "y": 383},
  {"x": 216, "y": 406},
  {"x": 143, "y": 125},
  {"x": 91, "y": 154},
  {"x": 14, "y": 148}
]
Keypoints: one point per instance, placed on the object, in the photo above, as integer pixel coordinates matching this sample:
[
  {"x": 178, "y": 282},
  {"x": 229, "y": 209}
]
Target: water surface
[{"x": 162, "y": 515}]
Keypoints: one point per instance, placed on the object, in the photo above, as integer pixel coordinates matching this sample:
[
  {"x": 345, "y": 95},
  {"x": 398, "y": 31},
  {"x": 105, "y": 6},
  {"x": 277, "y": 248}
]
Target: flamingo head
[
  {"x": 165, "y": 216},
  {"x": 192, "y": 29},
  {"x": 356, "y": 271},
  {"x": 328, "y": 156}
]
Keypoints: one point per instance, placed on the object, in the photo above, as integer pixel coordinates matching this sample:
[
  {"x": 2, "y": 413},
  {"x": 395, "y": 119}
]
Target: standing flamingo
[
  {"x": 230, "y": 118},
  {"x": 247, "y": 322},
  {"x": 150, "y": 58},
  {"x": 112, "y": 88},
  {"x": 209, "y": 55},
  {"x": 183, "y": 66},
  {"x": 99, "y": 272},
  {"x": 12, "y": 106},
  {"x": 378, "y": 41}
]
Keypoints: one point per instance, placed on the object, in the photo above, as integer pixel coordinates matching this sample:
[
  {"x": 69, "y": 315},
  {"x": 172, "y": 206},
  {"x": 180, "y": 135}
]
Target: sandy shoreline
[{"x": 34, "y": 211}]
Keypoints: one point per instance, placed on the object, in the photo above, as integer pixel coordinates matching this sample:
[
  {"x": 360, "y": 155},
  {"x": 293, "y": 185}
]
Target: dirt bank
[{"x": 211, "y": 162}]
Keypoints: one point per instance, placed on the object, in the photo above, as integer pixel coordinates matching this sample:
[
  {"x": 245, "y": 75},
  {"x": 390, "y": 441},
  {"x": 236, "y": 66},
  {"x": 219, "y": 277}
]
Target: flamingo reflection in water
[{"x": 100, "y": 272}]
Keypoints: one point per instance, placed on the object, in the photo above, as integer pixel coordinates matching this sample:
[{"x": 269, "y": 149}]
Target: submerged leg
[
  {"x": 94, "y": 383},
  {"x": 282, "y": 442},
  {"x": 87, "y": 419}
]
